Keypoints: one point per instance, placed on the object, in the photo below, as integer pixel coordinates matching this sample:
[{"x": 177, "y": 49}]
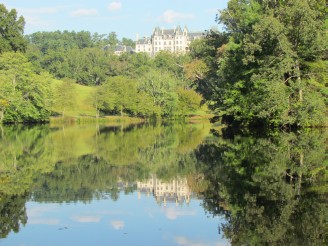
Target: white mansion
[{"x": 176, "y": 40}]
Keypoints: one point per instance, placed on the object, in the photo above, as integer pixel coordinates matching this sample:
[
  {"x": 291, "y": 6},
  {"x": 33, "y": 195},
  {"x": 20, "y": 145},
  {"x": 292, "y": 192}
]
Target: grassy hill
[{"x": 82, "y": 100}]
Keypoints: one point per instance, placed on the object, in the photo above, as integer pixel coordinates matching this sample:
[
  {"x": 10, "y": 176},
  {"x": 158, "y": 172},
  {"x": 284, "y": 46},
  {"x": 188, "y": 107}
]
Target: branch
[
  {"x": 295, "y": 76},
  {"x": 178, "y": 65}
]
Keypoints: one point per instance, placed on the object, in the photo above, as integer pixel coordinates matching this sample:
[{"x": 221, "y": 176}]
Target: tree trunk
[
  {"x": 299, "y": 81},
  {"x": 300, "y": 175},
  {"x": 1, "y": 116}
]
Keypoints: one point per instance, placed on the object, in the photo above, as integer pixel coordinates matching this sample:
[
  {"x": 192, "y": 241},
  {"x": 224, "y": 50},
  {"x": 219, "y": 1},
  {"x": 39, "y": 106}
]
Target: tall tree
[{"x": 11, "y": 31}]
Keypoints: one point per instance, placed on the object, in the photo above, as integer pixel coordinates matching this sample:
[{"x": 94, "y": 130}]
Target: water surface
[{"x": 173, "y": 184}]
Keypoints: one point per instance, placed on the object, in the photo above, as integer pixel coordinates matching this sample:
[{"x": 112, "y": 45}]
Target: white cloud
[
  {"x": 37, "y": 22},
  {"x": 48, "y": 10},
  {"x": 170, "y": 16},
  {"x": 172, "y": 213},
  {"x": 86, "y": 219},
  {"x": 213, "y": 11},
  {"x": 35, "y": 221},
  {"x": 117, "y": 224},
  {"x": 113, "y": 6},
  {"x": 84, "y": 12},
  {"x": 37, "y": 216},
  {"x": 191, "y": 242}
]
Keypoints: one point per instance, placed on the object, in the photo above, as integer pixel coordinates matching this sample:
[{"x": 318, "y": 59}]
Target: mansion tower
[{"x": 175, "y": 40}]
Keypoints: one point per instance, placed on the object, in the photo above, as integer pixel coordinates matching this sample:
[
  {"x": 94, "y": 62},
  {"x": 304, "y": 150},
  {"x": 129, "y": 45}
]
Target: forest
[{"x": 267, "y": 68}]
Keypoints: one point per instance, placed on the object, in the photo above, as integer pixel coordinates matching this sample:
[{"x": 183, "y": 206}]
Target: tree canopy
[
  {"x": 11, "y": 31},
  {"x": 261, "y": 71}
]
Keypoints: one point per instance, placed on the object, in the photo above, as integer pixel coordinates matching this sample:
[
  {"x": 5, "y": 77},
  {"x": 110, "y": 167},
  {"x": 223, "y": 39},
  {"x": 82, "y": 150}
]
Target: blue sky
[{"x": 125, "y": 17}]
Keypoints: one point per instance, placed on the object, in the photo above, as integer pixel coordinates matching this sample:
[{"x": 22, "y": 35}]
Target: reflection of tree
[
  {"x": 68, "y": 164},
  {"x": 118, "y": 157},
  {"x": 271, "y": 190},
  {"x": 12, "y": 213},
  {"x": 84, "y": 180},
  {"x": 24, "y": 153}
]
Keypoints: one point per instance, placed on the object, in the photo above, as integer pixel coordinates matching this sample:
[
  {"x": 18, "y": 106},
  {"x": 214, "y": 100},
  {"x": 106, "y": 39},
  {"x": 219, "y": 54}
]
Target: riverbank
[{"x": 120, "y": 119}]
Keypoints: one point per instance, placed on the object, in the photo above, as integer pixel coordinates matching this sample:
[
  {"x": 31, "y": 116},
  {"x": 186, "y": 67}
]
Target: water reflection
[
  {"x": 268, "y": 190},
  {"x": 174, "y": 191},
  {"x": 272, "y": 190}
]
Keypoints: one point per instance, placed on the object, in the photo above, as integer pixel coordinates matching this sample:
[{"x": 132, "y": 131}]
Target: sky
[{"x": 128, "y": 18}]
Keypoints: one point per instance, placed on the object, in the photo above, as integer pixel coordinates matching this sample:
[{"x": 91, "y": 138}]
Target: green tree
[
  {"x": 92, "y": 67},
  {"x": 120, "y": 94},
  {"x": 189, "y": 101},
  {"x": 25, "y": 95},
  {"x": 112, "y": 39},
  {"x": 160, "y": 87},
  {"x": 262, "y": 76},
  {"x": 11, "y": 31},
  {"x": 128, "y": 42},
  {"x": 64, "y": 96}
]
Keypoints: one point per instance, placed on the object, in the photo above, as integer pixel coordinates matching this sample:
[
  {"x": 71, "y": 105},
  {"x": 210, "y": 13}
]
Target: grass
[{"x": 83, "y": 101}]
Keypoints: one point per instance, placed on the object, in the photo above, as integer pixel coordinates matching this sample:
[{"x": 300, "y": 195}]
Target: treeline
[{"x": 84, "y": 57}]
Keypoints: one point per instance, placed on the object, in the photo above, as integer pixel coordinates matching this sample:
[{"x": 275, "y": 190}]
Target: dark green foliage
[
  {"x": 128, "y": 42},
  {"x": 272, "y": 190},
  {"x": 12, "y": 213},
  {"x": 11, "y": 31},
  {"x": 26, "y": 96},
  {"x": 261, "y": 74}
]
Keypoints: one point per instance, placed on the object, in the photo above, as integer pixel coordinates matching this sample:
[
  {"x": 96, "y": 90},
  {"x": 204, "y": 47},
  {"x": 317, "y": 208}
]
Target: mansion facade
[{"x": 175, "y": 40}]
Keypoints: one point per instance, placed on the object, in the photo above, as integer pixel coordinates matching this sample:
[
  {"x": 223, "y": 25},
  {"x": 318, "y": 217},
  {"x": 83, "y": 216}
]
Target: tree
[
  {"x": 128, "y": 42},
  {"x": 112, "y": 40},
  {"x": 11, "y": 31},
  {"x": 64, "y": 96},
  {"x": 119, "y": 94},
  {"x": 25, "y": 96},
  {"x": 189, "y": 101},
  {"x": 91, "y": 66},
  {"x": 262, "y": 73},
  {"x": 160, "y": 86}
]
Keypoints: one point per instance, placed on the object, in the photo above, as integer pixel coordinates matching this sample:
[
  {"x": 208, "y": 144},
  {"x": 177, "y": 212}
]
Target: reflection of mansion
[
  {"x": 176, "y": 190},
  {"x": 175, "y": 40}
]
